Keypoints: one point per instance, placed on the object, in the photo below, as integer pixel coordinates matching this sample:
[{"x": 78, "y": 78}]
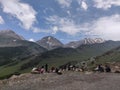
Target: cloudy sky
[{"x": 66, "y": 20}]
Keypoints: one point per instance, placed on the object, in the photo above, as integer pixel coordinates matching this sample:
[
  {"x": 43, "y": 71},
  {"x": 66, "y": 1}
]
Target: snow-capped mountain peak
[{"x": 75, "y": 44}]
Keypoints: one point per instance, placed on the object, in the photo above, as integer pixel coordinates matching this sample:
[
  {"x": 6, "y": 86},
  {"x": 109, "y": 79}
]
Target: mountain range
[
  {"x": 20, "y": 55},
  {"x": 86, "y": 41},
  {"x": 8, "y": 38},
  {"x": 14, "y": 47}
]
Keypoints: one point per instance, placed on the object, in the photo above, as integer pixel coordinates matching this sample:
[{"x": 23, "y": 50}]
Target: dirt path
[{"x": 67, "y": 81}]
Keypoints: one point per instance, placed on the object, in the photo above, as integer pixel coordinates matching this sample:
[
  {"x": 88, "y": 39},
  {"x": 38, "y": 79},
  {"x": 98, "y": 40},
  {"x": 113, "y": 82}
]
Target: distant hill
[
  {"x": 49, "y": 42},
  {"x": 83, "y": 50},
  {"x": 10, "y": 54},
  {"x": 14, "y": 47},
  {"x": 110, "y": 56}
]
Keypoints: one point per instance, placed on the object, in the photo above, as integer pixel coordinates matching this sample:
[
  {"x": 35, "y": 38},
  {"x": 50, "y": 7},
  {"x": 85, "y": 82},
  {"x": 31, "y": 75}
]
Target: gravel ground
[{"x": 66, "y": 81}]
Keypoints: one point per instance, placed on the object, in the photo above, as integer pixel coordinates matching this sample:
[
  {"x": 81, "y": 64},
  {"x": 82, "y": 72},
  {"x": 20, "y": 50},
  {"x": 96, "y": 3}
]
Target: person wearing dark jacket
[
  {"x": 100, "y": 68},
  {"x": 107, "y": 68},
  {"x": 46, "y": 67}
]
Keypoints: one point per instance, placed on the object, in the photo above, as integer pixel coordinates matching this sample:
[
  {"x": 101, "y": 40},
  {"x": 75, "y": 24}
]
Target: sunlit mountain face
[{"x": 67, "y": 20}]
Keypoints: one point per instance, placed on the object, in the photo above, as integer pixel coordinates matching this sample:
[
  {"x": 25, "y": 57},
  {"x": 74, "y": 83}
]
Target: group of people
[
  {"x": 101, "y": 68},
  {"x": 74, "y": 67},
  {"x": 43, "y": 69}
]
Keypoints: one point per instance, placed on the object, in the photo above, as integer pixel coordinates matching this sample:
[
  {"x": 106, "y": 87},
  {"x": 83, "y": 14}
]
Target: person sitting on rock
[
  {"x": 107, "y": 68},
  {"x": 42, "y": 70},
  {"x": 53, "y": 69},
  {"x": 34, "y": 70},
  {"x": 100, "y": 68},
  {"x": 58, "y": 71}
]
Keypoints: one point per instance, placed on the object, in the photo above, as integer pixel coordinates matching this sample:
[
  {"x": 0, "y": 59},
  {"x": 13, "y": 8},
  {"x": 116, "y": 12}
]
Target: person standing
[{"x": 46, "y": 67}]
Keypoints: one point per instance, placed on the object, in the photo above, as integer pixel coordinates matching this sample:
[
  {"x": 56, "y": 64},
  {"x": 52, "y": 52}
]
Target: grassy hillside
[
  {"x": 25, "y": 49},
  {"x": 58, "y": 57},
  {"x": 111, "y": 56},
  {"x": 11, "y": 54}
]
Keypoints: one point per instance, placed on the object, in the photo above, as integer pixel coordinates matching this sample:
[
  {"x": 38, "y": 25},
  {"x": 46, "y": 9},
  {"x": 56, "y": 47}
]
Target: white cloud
[
  {"x": 64, "y": 3},
  {"x": 36, "y": 30},
  {"x": 22, "y": 11},
  {"x": 46, "y": 10},
  {"x": 68, "y": 26},
  {"x": 106, "y": 4},
  {"x": 39, "y": 30},
  {"x": 65, "y": 25},
  {"x": 1, "y": 20},
  {"x": 32, "y": 40},
  {"x": 84, "y": 5},
  {"x": 67, "y": 3},
  {"x": 68, "y": 12},
  {"x": 107, "y": 27},
  {"x": 55, "y": 29}
]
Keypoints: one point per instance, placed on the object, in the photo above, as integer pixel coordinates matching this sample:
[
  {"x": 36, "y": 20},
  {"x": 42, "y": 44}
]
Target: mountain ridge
[
  {"x": 85, "y": 41},
  {"x": 11, "y": 34}
]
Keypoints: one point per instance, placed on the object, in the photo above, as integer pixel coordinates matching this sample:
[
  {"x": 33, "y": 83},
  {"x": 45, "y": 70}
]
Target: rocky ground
[{"x": 66, "y": 81}]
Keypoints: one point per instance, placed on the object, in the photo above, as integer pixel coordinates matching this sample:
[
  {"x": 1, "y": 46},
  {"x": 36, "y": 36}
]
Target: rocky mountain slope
[
  {"x": 8, "y": 38},
  {"x": 86, "y": 41},
  {"x": 49, "y": 42},
  {"x": 10, "y": 34}
]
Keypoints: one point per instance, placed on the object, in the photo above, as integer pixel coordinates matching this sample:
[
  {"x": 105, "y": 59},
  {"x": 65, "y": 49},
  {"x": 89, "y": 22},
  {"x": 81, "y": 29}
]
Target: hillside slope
[
  {"x": 110, "y": 56},
  {"x": 13, "y": 47}
]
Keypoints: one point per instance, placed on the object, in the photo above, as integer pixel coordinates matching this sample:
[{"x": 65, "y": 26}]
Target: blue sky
[{"x": 67, "y": 20}]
